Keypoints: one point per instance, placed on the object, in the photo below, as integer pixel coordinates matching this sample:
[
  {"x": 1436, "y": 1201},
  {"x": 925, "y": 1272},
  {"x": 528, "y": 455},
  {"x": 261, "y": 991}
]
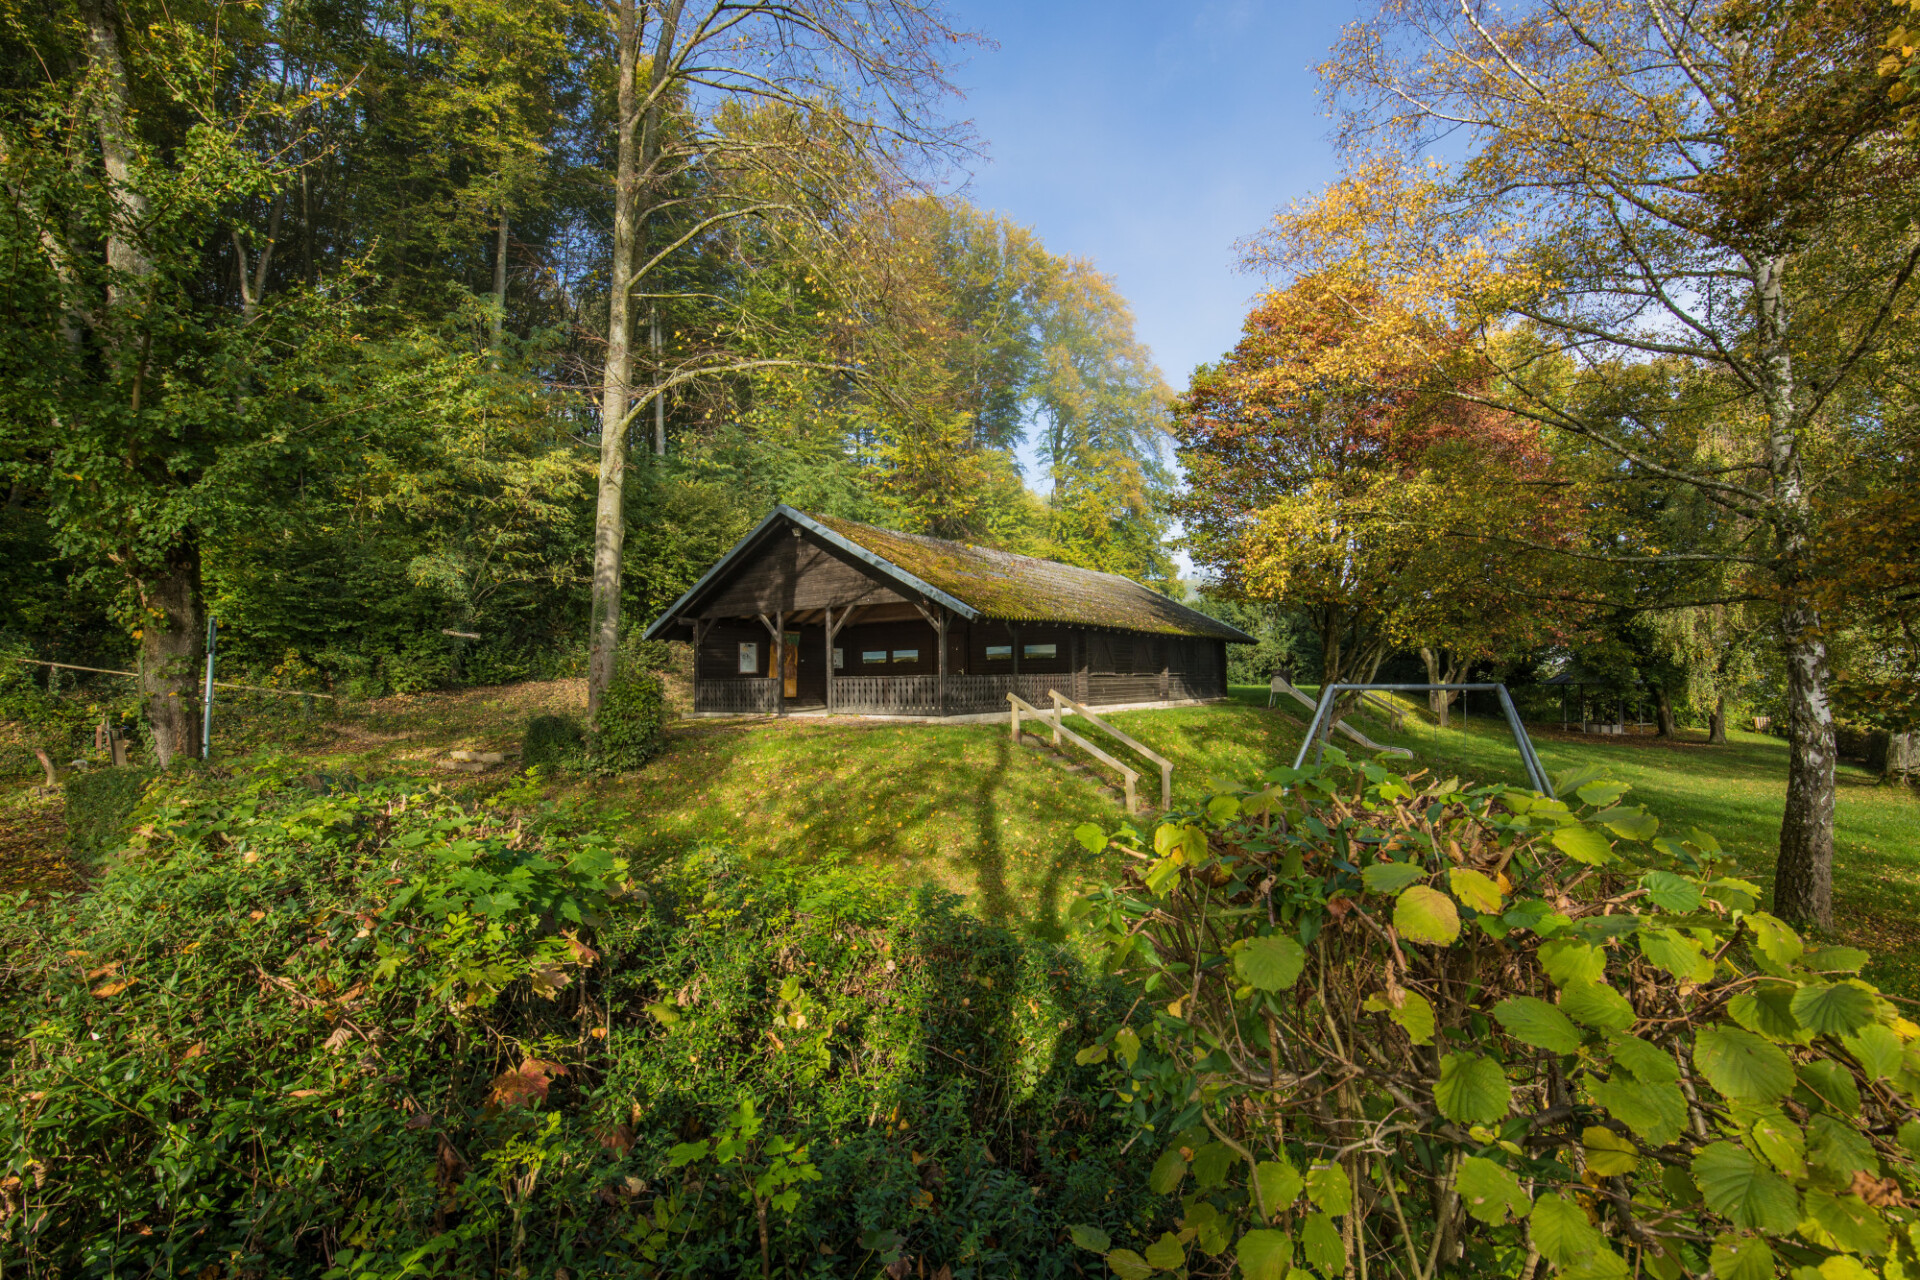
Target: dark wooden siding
[{"x": 795, "y": 574}]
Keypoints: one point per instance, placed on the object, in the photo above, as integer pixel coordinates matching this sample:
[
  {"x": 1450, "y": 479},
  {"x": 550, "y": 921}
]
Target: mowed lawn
[{"x": 964, "y": 808}]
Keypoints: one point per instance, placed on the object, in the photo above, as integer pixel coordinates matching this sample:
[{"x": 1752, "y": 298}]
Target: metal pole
[
  {"x": 206, "y": 696},
  {"x": 1536, "y": 772}
]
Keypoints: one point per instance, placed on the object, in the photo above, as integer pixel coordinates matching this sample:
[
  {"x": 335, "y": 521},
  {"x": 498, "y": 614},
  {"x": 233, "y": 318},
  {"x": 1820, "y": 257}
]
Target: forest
[{"x": 395, "y": 362}]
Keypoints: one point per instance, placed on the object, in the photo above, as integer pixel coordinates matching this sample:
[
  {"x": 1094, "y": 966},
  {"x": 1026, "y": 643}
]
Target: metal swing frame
[{"x": 1536, "y": 772}]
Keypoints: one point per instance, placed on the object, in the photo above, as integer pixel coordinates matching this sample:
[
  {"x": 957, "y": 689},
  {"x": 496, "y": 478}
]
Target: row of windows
[{"x": 750, "y": 655}]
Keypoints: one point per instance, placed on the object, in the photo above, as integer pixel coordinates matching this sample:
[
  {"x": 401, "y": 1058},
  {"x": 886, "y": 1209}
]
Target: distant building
[{"x": 817, "y": 613}]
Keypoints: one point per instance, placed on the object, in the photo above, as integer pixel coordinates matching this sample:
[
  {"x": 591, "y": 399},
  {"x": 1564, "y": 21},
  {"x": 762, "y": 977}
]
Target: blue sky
[{"x": 1148, "y": 138}]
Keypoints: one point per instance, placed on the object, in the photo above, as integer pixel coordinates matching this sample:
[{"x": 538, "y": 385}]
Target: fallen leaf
[
  {"x": 548, "y": 979},
  {"x": 419, "y": 1120},
  {"x": 305, "y": 1093},
  {"x": 341, "y": 1037},
  {"x": 112, "y": 989},
  {"x": 582, "y": 953},
  {"x": 194, "y": 1051},
  {"x": 102, "y": 971},
  {"x": 618, "y": 1140},
  {"x": 524, "y": 1084},
  {"x": 256, "y": 915}
]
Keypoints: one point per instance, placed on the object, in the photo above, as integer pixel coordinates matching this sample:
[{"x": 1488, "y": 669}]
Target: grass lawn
[
  {"x": 964, "y": 808},
  {"x": 1736, "y": 792}
]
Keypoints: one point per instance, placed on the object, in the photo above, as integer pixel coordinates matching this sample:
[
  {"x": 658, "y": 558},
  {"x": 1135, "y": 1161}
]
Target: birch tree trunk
[
  {"x": 609, "y": 523},
  {"x": 1803, "y": 873},
  {"x": 500, "y": 281}
]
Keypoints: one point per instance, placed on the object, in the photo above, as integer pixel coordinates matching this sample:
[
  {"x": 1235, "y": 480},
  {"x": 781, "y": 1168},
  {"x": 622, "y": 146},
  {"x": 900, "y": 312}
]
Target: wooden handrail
[
  {"x": 1059, "y": 731},
  {"x": 1166, "y": 765}
]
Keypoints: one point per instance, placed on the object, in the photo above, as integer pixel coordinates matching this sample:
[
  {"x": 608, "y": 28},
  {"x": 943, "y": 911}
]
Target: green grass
[
  {"x": 963, "y": 808},
  {"x": 1736, "y": 792}
]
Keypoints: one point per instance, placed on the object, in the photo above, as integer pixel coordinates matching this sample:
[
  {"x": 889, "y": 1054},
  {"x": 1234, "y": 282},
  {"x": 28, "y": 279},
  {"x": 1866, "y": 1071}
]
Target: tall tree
[
  {"x": 1648, "y": 180},
  {"x": 868, "y": 73}
]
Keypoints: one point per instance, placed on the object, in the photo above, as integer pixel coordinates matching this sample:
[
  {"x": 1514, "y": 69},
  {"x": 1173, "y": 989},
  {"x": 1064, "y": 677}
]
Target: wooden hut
[{"x": 818, "y": 613}]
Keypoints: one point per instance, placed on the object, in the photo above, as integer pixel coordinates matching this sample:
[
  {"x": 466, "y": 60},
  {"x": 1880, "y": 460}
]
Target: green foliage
[
  {"x": 341, "y": 1029},
  {"x": 1633, "y": 1069},
  {"x": 552, "y": 741},
  {"x": 630, "y": 727},
  {"x": 100, "y": 805}
]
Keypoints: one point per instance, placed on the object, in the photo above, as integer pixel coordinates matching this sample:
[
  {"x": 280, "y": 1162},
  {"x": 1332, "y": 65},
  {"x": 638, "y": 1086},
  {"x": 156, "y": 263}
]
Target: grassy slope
[{"x": 961, "y": 807}]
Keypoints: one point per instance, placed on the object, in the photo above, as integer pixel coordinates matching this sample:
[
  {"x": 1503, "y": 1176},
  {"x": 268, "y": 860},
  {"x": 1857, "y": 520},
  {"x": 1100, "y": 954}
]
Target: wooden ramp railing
[
  {"x": 1061, "y": 700},
  {"x": 1279, "y": 686},
  {"x": 1018, "y": 704}
]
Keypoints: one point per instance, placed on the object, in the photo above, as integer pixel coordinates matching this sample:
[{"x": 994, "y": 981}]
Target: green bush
[
  {"x": 630, "y": 727},
  {"x": 99, "y": 805},
  {"x": 1415, "y": 1031},
  {"x": 553, "y": 741},
  {"x": 362, "y": 1030}
]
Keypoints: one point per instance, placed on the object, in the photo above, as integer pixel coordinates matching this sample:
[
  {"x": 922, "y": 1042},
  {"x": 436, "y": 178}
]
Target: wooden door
[{"x": 790, "y": 666}]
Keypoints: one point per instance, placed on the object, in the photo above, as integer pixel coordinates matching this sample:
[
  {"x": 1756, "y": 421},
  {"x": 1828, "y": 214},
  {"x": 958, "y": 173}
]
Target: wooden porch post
[
  {"x": 701, "y": 626},
  {"x": 827, "y": 614},
  {"x": 777, "y": 628},
  {"x": 940, "y": 629}
]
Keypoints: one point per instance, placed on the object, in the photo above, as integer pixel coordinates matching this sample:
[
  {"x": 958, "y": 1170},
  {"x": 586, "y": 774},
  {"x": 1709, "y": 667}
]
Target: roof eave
[{"x": 657, "y": 629}]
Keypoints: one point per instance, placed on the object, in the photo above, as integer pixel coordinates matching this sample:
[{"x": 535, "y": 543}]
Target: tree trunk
[
  {"x": 1717, "y": 722},
  {"x": 47, "y": 766},
  {"x": 659, "y": 401},
  {"x": 609, "y": 523},
  {"x": 171, "y": 648},
  {"x": 127, "y": 260},
  {"x": 1803, "y": 876},
  {"x": 1439, "y": 701},
  {"x": 1663, "y": 710},
  {"x": 500, "y": 280}
]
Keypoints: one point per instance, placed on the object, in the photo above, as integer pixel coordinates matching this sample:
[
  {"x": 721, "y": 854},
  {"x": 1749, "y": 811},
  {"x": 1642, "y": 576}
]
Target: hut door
[{"x": 790, "y": 666}]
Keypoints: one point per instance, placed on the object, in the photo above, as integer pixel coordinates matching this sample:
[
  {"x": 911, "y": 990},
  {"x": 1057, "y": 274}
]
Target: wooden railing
[
  {"x": 1018, "y": 704},
  {"x": 1062, "y": 701},
  {"x": 921, "y": 695},
  {"x": 755, "y": 695}
]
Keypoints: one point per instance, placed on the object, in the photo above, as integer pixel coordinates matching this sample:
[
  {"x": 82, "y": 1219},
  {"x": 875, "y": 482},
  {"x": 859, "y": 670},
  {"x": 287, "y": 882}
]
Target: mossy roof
[{"x": 1016, "y": 588}]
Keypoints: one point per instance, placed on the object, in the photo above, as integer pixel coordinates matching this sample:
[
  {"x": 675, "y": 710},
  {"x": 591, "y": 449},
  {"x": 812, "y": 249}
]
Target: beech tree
[{"x": 1647, "y": 181}]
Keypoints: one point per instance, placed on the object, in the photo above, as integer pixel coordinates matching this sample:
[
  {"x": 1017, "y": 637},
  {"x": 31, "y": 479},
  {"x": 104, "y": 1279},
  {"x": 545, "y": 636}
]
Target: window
[
  {"x": 749, "y": 658},
  {"x": 1039, "y": 650},
  {"x": 868, "y": 657},
  {"x": 906, "y": 655},
  {"x": 839, "y": 659},
  {"x": 995, "y": 652}
]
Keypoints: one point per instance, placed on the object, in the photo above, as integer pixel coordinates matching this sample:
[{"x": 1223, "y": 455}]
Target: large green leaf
[
  {"x": 1657, "y": 1112},
  {"x": 1602, "y": 794},
  {"x": 1535, "y": 1022},
  {"x": 1741, "y": 1065},
  {"x": 1767, "y": 1011},
  {"x": 1608, "y": 1154},
  {"x": 1272, "y": 963},
  {"x": 1475, "y": 889},
  {"x": 1424, "y": 914},
  {"x": 1168, "y": 1172},
  {"x": 1583, "y": 844},
  {"x": 1781, "y": 1141},
  {"x": 1280, "y": 1184},
  {"x": 1838, "y": 1009},
  {"x": 1671, "y": 892},
  {"x": 1779, "y": 945},
  {"x": 1838, "y": 1147},
  {"x": 1167, "y": 1253},
  {"x": 1559, "y": 1229},
  {"x": 1210, "y": 1165},
  {"x": 1391, "y": 877},
  {"x": 1568, "y": 960},
  {"x": 1850, "y": 1223},
  {"x": 1264, "y": 1254},
  {"x": 1628, "y": 824},
  {"x": 1472, "y": 1089},
  {"x": 1878, "y": 1051},
  {"x": 1320, "y": 1243},
  {"x": 1655, "y": 1066},
  {"x": 1597, "y": 1005},
  {"x": 1489, "y": 1192},
  {"x": 1329, "y": 1188},
  {"x": 1415, "y": 1016},
  {"x": 1741, "y": 1258},
  {"x": 1092, "y": 1238},
  {"x": 1832, "y": 1084},
  {"x": 1678, "y": 954},
  {"x": 1129, "y": 1265},
  {"x": 1744, "y": 1191}
]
